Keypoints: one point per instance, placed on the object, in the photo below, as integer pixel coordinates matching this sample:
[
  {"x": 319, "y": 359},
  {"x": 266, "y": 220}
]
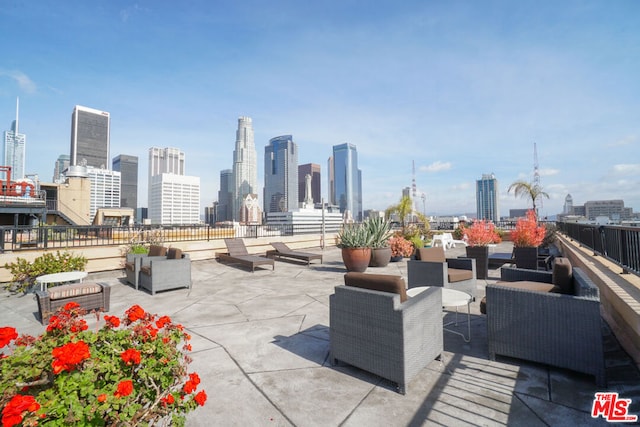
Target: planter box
[
  {"x": 481, "y": 255},
  {"x": 526, "y": 257}
]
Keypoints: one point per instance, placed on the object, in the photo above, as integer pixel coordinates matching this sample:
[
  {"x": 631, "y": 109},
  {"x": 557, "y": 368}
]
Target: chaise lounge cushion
[
  {"x": 377, "y": 282},
  {"x": 523, "y": 284},
  {"x": 562, "y": 276},
  {"x": 73, "y": 290}
]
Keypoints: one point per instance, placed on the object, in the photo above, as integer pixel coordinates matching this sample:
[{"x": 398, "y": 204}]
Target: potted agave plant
[
  {"x": 380, "y": 232},
  {"x": 526, "y": 237},
  {"x": 479, "y": 236},
  {"x": 355, "y": 242}
]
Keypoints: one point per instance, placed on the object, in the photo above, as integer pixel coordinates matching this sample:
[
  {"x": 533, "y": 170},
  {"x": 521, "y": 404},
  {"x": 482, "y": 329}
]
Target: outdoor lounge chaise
[
  {"x": 164, "y": 273},
  {"x": 547, "y": 317},
  {"x": 281, "y": 250},
  {"x": 432, "y": 268},
  {"x": 374, "y": 326},
  {"x": 237, "y": 254}
]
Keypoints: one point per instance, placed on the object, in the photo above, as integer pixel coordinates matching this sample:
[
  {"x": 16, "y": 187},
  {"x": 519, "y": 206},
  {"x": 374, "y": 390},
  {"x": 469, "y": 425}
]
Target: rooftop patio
[{"x": 261, "y": 346}]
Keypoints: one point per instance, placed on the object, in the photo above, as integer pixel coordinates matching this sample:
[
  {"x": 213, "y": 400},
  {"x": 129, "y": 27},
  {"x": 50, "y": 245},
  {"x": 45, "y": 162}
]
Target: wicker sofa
[
  {"x": 90, "y": 296},
  {"x": 375, "y": 327},
  {"x": 536, "y": 317}
]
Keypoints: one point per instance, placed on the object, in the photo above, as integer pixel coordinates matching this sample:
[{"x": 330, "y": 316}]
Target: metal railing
[
  {"x": 51, "y": 237},
  {"x": 618, "y": 244}
]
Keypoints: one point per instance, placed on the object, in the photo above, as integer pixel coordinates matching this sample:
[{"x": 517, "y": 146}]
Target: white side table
[
  {"x": 67, "y": 276},
  {"x": 451, "y": 298}
]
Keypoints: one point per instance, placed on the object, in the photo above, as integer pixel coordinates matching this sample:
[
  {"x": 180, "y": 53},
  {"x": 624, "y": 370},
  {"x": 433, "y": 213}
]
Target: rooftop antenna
[
  {"x": 536, "y": 172},
  {"x": 414, "y": 190}
]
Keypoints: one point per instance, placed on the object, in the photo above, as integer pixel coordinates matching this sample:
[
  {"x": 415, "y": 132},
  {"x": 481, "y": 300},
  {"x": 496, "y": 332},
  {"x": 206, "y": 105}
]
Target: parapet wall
[{"x": 619, "y": 294}]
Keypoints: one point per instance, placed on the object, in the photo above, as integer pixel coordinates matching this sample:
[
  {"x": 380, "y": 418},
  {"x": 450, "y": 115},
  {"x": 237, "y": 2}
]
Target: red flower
[
  {"x": 7, "y": 334},
  {"x": 201, "y": 397},
  {"x": 195, "y": 378},
  {"x": 189, "y": 387},
  {"x": 130, "y": 356},
  {"x": 135, "y": 313},
  {"x": 112, "y": 321},
  {"x": 70, "y": 306},
  {"x": 125, "y": 388},
  {"x": 79, "y": 325},
  {"x": 164, "y": 320},
  {"x": 102, "y": 398},
  {"x": 66, "y": 358},
  {"x": 12, "y": 414},
  {"x": 168, "y": 400},
  {"x": 528, "y": 232}
]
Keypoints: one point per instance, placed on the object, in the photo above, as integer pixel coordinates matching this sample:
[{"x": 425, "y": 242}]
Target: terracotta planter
[
  {"x": 356, "y": 259},
  {"x": 526, "y": 257},
  {"x": 380, "y": 257},
  {"x": 481, "y": 255}
]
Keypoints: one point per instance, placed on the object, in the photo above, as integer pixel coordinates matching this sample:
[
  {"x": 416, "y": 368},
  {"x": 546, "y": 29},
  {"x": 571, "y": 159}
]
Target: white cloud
[
  {"x": 626, "y": 169},
  {"x": 25, "y": 83},
  {"x": 436, "y": 166},
  {"x": 548, "y": 172},
  {"x": 627, "y": 140}
]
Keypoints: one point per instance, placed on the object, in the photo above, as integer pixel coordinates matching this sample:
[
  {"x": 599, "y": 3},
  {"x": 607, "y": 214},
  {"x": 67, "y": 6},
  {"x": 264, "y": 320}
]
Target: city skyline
[{"x": 460, "y": 89}]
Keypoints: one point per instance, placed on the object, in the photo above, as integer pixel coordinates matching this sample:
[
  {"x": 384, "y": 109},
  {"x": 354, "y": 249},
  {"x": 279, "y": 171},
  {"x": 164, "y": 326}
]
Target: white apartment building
[
  {"x": 105, "y": 190},
  {"x": 174, "y": 199}
]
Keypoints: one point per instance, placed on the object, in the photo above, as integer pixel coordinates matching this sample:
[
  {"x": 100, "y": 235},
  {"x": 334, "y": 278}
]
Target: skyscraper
[
  {"x": 61, "y": 165},
  {"x": 128, "y": 168},
  {"x": 14, "y": 148},
  {"x": 105, "y": 189},
  {"x": 280, "y": 175},
  {"x": 487, "y": 195},
  {"x": 225, "y": 196},
  {"x": 164, "y": 160},
  {"x": 245, "y": 170},
  {"x": 316, "y": 187},
  {"x": 90, "y": 130},
  {"x": 346, "y": 180}
]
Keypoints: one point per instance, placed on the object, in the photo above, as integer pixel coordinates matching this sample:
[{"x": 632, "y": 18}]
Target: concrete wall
[
  {"x": 619, "y": 294},
  {"x": 105, "y": 258}
]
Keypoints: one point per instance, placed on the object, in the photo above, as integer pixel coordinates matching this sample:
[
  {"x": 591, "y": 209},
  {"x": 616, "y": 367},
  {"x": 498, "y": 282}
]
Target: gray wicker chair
[
  {"x": 433, "y": 269},
  {"x": 161, "y": 274},
  {"x": 547, "y": 327},
  {"x": 133, "y": 262},
  {"x": 374, "y": 331}
]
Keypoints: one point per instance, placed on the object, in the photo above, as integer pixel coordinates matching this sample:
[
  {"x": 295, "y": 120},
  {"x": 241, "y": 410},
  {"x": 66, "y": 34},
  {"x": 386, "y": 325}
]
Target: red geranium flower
[
  {"x": 125, "y": 388},
  {"x": 194, "y": 378},
  {"x": 161, "y": 322},
  {"x": 135, "y": 313},
  {"x": 7, "y": 334},
  {"x": 130, "y": 356},
  {"x": 113, "y": 321},
  {"x": 66, "y": 358},
  {"x": 12, "y": 414},
  {"x": 201, "y": 397},
  {"x": 70, "y": 306},
  {"x": 168, "y": 400},
  {"x": 102, "y": 398}
]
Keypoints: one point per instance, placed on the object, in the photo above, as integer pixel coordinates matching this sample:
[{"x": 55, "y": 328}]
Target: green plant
[
  {"x": 417, "y": 242},
  {"x": 549, "y": 235},
  {"x": 529, "y": 190},
  {"x": 25, "y": 272},
  {"x": 130, "y": 371},
  {"x": 380, "y": 231},
  {"x": 402, "y": 210},
  {"x": 354, "y": 236},
  {"x": 138, "y": 248}
]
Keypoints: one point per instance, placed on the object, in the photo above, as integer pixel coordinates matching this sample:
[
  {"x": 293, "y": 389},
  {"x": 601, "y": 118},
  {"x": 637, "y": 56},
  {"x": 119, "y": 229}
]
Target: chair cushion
[
  {"x": 377, "y": 282},
  {"x": 73, "y": 290},
  {"x": 146, "y": 269},
  {"x": 458, "y": 275},
  {"x": 562, "y": 275},
  {"x": 531, "y": 286},
  {"x": 129, "y": 266},
  {"x": 435, "y": 254},
  {"x": 174, "y": 253},
  {"x": 156, "y": 250}
]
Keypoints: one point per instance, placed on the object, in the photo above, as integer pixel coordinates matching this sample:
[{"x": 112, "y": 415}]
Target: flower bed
[{"x": 129, "y": 371}]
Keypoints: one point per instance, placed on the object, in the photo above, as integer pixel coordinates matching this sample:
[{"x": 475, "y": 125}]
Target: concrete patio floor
[{"x": 261, "y": 346}]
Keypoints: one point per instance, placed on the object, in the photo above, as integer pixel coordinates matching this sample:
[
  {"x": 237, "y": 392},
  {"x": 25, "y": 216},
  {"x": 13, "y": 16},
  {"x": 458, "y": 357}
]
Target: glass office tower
[
  {"x": 280, "y": 175},
  {"x": 128, "y": 168},
  {"x": 245, "y": 166},
  {"x": 90, "y": 130},
  {"x": 346, "y": 181},
  {"x": 487, "y": 195}
]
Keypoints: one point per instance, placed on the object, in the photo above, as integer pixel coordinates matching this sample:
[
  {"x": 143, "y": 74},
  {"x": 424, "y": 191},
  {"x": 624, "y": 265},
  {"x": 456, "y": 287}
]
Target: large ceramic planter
[
  {"x": 481, "y": 255},
  {"x": 526, "y": 257},
  {"x": 356, "y": 259},
  {"x": 380, "y": 257}
]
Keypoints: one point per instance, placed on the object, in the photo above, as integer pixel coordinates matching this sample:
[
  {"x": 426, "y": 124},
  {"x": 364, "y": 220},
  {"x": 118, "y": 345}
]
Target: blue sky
[{"x": 463, "y": 88}]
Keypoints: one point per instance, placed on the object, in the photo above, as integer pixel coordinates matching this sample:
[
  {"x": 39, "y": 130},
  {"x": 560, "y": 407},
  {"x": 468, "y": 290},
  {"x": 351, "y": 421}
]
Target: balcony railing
[{"x": 618, "y": 244}]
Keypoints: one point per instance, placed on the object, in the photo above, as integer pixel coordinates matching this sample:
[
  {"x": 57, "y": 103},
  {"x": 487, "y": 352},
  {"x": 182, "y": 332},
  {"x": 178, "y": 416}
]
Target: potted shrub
[
  {"x": 479, "y": 236},
  {"x": 526, "y": 237},
  {"x": 400, "y": 248},
  {"x": 355, "y": 242},
  {"x": 25, "y": 272},
  {"x": 380, "y": 232}
]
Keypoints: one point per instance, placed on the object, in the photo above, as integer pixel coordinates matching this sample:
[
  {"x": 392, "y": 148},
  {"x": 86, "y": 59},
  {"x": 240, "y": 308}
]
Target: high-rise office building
[
  {"x": 164, "y": 160},
  {"x": 245, "y": 166},
  {"x": 105, "y": 190},
  {"x": 61, "y": 165},
  {"x": 14, "y": 148},
  {"x": 316, "y": 187},
  {"x": 280, "y": 175},
  {"x": 128, "y": 168},
  {"x": 487, "y": 196},
  {"x": 90, "y": 137},
  {"x": 345, "y": 181},
  {"x": 224, "y": 211}
]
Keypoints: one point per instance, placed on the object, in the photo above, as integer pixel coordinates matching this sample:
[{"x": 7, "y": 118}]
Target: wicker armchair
[
  {"x": 161, "y": 274},
  {"x": 562, "y": 330},
  {"x": 133, "y": 262},
  {"x": 433, "y": 269},
  {"x": 376, "y": 331}
]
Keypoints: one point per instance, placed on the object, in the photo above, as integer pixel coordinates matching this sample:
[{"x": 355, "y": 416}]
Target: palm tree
[
  {"x": 529, "y": 190},
  {"x": 403, "y": 209}
]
